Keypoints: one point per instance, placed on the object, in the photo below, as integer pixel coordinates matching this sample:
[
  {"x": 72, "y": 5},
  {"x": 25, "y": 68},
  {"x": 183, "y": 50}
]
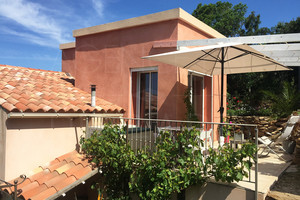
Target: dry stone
[{"x": 265, "y": 124}]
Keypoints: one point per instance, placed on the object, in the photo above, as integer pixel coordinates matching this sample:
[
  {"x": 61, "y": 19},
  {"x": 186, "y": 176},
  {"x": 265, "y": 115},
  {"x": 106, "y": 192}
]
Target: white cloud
[
  {"x": 41, "y": 27},
  {"x": 98, "y": 6},
  {"x": 34, "y": 38}
]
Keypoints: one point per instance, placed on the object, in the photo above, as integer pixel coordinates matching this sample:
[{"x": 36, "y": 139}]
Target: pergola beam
[
  {"x": 284, "y": 48},
  {"x": 260, "y": 39},
  {"x": 277, "y": 47}
]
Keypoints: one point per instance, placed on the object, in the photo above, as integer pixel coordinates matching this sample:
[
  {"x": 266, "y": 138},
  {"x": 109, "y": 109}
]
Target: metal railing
[
  {"x": 14, "y": 192},
  {"x": 143, "y": 133}
]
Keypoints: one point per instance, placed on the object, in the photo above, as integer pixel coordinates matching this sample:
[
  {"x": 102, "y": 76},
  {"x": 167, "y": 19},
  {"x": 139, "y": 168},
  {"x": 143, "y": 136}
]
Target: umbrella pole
[{"x": 222, "y": 89}]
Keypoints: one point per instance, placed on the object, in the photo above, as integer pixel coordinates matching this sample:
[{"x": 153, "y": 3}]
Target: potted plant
[{"x": 226, "y": 133}]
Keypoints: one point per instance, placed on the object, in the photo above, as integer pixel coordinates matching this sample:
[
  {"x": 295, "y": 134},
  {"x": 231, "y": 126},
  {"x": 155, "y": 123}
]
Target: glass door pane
[
  {"x": 144, "y": 98},
  {"x": 153, "y": 114},
  {"x": 197, "y": 97},
  {"x": 148, "y": 95}
]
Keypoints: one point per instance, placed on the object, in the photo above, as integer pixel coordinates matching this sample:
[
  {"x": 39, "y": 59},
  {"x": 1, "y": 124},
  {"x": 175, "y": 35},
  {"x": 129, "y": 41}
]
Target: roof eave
[
  {"x": 172, "y": 14},
  {"x": 69, "y": 45},
  {"x": 60, "y": 115}
]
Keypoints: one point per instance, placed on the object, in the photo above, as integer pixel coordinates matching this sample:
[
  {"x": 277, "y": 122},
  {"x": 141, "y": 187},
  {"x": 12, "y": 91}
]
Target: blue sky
[{"x": 31, "y": 30}]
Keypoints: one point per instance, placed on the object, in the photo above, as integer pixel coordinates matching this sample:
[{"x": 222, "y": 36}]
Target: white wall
[{"x": 31, "y": 143}]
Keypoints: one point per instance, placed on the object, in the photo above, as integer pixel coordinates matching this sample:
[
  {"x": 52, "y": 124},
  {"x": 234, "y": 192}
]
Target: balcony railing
[{"x": 143, "y": 133}]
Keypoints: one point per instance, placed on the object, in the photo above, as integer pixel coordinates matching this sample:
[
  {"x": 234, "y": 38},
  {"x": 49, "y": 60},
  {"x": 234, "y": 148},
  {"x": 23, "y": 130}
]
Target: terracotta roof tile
[
  {"x": 30, "y": 193},
  {"x": 56, "y": 180},
  {"x": 66, "y": 182},
  {"x": 44, "y": 194},
  {"x": 45, "y": 91},
  {"x": 54, "y": 176}
]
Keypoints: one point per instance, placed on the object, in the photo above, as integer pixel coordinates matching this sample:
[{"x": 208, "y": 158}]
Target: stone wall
[{"x": 265, "y": 124}]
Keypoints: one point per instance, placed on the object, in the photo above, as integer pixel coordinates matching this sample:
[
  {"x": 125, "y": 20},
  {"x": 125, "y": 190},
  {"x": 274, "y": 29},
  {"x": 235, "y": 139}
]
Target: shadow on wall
[
  {"x": 173, "y": 107},
  {"x": 39, "y": 123},
  {"x": 129, "y": 36}
]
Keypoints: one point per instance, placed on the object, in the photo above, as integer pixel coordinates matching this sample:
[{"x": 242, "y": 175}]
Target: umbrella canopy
[{"x": 229, "y": 58}]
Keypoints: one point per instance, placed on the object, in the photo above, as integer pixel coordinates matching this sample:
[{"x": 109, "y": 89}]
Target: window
[
  {"x": 196, "y": 84},
  {"x": 148, "y": 95},
  {"x": 144, "y": 93}
]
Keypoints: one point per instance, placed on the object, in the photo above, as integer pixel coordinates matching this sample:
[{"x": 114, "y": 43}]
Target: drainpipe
[{"x": 93, "y": 95}]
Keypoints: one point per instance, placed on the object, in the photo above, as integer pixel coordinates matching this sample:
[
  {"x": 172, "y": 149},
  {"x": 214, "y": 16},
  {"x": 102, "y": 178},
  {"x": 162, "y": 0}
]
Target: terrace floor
[{"x": 270, "y": 169}]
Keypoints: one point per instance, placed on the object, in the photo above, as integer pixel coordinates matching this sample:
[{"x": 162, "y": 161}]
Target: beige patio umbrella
[{"x": 229, "y": 58}]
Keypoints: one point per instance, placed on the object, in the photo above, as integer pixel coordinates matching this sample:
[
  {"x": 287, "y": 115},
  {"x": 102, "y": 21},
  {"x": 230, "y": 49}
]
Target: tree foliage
[
  {"x": 287, "y": 27},
  {"x": 230, "y": 20},
  {"x": 284, "y": 101},
  {"x": 222, "y": 16}
]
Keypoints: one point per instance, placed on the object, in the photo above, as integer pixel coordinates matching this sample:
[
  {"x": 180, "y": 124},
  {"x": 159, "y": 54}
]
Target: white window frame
[
  {"x": 191, "y": 75},
  {"x": 140, "y": 71}
]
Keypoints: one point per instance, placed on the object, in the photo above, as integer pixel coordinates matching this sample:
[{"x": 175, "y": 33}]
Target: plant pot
[
  {"x": 222, "y": 140},
  {"x": 227, "y": 139},
  {"x": 289, "y": 146}
]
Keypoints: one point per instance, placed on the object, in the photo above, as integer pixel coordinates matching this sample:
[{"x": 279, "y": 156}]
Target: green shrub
[
  {"x": 284, "y": 101},
  {"x": 110, "y": 152},
  {"x": 176, "y": 164}
]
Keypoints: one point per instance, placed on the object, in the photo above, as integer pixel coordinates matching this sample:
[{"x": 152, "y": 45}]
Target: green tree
[
  {"x": 222, "y": 16},
  {"x": 230, "y": 20},
  {"x": 251, "y": 26},
  {"x": 284, "y": 102},
  {"x": 287, "y": 27}
]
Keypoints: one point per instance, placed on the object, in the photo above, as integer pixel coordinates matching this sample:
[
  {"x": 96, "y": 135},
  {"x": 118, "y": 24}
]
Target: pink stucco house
[
  {"x": 109, "y": 56},
  {"x": 43, "y": 113}
]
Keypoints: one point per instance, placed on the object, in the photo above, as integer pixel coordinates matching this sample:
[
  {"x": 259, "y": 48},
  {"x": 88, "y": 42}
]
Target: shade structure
[{"x": 228, "y": 58}]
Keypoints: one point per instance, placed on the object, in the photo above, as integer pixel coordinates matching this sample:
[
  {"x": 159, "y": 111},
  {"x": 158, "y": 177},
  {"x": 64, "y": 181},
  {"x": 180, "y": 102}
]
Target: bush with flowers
[
  {"x": 238, "y": 107},
  {"x": 234, "y": 105}
]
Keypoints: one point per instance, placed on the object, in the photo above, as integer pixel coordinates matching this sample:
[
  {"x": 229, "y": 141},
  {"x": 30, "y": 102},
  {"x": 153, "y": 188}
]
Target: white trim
[
  {"x": 59, "y": 115},
  {"x": 139, "y": 71},
  {"x": 130, "y": 94},
  {"x": 199, "y": 73},
  {"x": 144, "y": 69},
  {"x": 191, "y": 90}
]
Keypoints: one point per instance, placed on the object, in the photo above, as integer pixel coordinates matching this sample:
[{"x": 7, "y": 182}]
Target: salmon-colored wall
[
  {"x": 188, "y": 32},
  {"x": 68, "y": 61},
  {"x": 31, "y": 143},
  {"x": 105, "y": 59}
]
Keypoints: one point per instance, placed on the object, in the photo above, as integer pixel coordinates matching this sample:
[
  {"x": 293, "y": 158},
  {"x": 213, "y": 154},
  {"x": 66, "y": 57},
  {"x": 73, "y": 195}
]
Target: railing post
[
  {"x": 15, "y": 189},
  {"x": 86, "y": 127},
  {"x": 256, "y": 163},
  {"x": 127, "y": 132}
]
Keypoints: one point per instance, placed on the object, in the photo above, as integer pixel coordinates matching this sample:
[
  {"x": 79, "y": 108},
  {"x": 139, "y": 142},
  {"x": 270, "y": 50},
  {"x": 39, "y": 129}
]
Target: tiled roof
[
  {"x": 55, "y": 176},
  {"x": 31, "y": 90}
]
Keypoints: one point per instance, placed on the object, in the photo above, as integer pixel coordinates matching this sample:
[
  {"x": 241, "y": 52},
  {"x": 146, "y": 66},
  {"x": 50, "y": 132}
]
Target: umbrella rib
[
  {"x": 241, "y": 55},
  {"x": 199, "y": 58},
  {"x": 259, "y": 56}
]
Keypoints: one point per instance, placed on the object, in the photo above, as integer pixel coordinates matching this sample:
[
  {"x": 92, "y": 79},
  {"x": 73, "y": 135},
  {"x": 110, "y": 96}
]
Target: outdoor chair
[
  {"x": 205, "y": 136},
  {"x": 269, "y": 145}
]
